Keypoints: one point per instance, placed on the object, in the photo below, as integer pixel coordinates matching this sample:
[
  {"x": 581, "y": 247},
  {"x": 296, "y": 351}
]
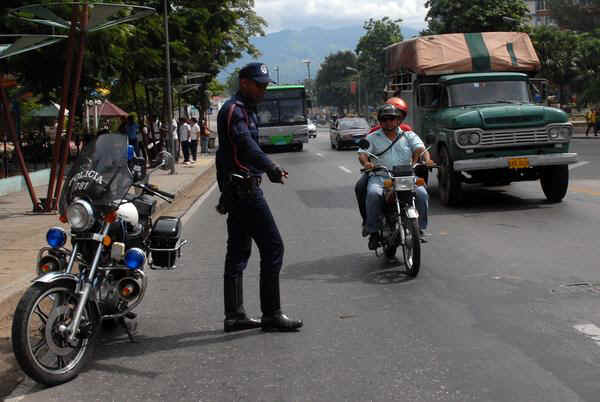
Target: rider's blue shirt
[{"x": 402, "y": 151}]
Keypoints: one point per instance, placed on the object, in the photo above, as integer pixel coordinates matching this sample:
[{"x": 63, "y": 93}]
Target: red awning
[{"x": 108, "y": 109}]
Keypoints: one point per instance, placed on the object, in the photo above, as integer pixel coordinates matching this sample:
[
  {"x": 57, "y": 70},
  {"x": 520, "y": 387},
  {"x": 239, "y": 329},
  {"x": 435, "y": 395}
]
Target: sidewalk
[{"x": 23, "y": 233}]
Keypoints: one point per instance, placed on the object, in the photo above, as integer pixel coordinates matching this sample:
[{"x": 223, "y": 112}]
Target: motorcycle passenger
[{"x": 405, "y": 147}]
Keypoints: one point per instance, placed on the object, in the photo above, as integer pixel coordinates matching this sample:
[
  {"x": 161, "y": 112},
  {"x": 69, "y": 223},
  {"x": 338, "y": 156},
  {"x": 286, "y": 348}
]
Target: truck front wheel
[
  {"x": 555, "y": 181},
  {"x": 448, "y": 181}
]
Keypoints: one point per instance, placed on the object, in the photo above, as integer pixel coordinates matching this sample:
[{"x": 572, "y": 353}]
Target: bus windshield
[{"x": 282, "y": 107}]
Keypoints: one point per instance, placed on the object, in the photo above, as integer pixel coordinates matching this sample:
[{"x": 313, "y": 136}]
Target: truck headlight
[
  {"x": 468, "y": 138},
  {"x": 554, "y": 133},
  {"x": 80, "y": 215},
  {"x": 566, "y": 132}
]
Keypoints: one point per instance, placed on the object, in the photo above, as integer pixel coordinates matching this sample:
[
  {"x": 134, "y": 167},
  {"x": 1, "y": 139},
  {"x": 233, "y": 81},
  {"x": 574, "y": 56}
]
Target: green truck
[{"x": 473, "y": 102}]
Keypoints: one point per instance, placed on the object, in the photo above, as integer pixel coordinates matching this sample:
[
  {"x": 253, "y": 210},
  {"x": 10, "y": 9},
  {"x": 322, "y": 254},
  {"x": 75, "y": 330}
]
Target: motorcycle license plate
[{"x": 518, "y": 163}]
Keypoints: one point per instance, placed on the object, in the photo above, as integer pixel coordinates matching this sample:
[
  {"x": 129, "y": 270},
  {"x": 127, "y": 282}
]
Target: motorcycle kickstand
[{"x": 128, "y": 329}]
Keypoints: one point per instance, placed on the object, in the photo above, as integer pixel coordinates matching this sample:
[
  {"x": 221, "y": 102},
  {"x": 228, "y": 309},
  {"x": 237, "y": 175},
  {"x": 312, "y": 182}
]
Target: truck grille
[{"x": 516, "y": 137}]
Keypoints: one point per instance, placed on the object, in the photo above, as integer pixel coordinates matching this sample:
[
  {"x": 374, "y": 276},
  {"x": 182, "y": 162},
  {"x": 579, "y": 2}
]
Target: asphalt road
[{"x": 504, "y": 308}]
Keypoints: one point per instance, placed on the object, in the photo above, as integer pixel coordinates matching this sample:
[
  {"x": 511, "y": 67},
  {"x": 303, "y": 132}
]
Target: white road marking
[
  {"x": 589, "y": 330},
  {"x": 578, "y": 164},
  {"x": 320, "y": 155},
  {"x": 345, "y": 169},
  {"x": 197, "y": 204}
]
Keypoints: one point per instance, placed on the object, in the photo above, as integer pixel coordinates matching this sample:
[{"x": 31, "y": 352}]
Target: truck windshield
[{"x": 485, "y": 92}]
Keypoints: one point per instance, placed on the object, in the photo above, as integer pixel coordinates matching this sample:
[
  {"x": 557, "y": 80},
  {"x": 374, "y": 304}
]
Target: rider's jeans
[{"x": 375, "y": 204}]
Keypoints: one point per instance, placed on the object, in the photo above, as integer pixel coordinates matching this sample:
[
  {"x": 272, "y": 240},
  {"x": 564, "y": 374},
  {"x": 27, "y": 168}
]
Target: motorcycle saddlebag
[{"x": 163, "y": 240}]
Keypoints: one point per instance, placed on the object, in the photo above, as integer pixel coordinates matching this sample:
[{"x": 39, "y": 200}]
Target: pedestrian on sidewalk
[
  {"x": 240, "y": 165},
  {"x": 132, "y": 128},
  {"x": 184, "y": 139},
  {"x": 204, "y": 137},
  {"x": 194, "y": 137},
  {"x": 590, "y": 119}
]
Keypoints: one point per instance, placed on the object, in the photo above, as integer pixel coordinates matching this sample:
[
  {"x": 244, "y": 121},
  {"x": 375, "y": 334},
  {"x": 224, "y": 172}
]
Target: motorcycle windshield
[{"x": 100, "y": 174}]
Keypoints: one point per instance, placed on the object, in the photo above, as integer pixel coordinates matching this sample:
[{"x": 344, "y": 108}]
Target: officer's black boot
[
  {"x": 235, "y": 315},
  {"x": 273, "y": 319}
]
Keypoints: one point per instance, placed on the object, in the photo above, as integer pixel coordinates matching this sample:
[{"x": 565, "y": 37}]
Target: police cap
[{"x": 257, "y": 72}]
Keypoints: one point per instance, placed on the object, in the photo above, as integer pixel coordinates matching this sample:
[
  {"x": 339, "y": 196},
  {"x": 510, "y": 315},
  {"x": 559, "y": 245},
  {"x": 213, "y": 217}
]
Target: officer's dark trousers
[{"x": 250, "y": 219}]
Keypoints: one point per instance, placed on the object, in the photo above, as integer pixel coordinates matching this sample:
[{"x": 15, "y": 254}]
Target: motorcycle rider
[
  {"x": 360, "y": 189},
  {"x": 395, "y": 147}
]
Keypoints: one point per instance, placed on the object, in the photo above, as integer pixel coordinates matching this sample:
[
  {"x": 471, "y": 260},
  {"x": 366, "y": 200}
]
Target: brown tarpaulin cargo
[{"x": 463, "y": 53}]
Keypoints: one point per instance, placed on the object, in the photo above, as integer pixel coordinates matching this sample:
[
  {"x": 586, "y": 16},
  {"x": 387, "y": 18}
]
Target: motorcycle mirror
[{"x": 364, "y": 144}]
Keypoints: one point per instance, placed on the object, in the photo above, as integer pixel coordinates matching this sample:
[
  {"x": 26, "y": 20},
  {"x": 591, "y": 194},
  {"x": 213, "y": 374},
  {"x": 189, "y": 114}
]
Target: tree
[
  {"x": 333, "y": 79},
  {"x": 577, "y": 15},
  {"x": 588, "y": 64},
  {"x": 232, "y": 84},
  {"x": 558, "y": 52},
  {"x": 371, "y": 55},
  {"x": 451, "y": 16}
]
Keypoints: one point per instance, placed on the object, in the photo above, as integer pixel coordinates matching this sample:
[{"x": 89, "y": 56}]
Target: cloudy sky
[{"x": 298, "y": 14}]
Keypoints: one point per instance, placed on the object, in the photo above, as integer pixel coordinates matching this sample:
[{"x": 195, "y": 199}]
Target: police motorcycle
[
  {"x": 399, "y": 226},
  {"x": 57, "y": 321}
]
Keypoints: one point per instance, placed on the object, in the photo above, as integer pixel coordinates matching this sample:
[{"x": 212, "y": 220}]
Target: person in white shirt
[
  {"x": 194, "y": 137},
  {"x": 184, "y": 140}
]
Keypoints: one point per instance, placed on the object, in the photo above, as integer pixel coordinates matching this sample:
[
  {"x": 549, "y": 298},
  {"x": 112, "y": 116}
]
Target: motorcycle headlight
[
  {"x": 135, "y": 258},
  {"x": 56, "y": 237},
  {"x": 80, "y": 215}
]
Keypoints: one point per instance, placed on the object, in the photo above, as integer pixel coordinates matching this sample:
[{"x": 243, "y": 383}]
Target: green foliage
[
  {"x": 129, "y": 59},
  {"x": 588, "y": 64},
  {"x": 452, "y": 16},
  {"x": 333, "y": 79},
  {"x": 558, "y": 52},
  {"x": 577, "y": 15},
  {"x": 371, "y": 55}
]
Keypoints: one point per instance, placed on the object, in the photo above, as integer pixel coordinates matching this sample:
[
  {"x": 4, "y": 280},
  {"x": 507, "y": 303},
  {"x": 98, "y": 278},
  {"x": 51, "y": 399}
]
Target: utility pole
[
  {"x": 277, "y": 69},
  {"x": 168, "y": 94},
  {"x": 358, "y": 92}
]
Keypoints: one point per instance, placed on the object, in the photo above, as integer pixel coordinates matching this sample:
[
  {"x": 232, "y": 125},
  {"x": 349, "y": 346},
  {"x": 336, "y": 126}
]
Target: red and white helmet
[{"x": 398, "y": 103}]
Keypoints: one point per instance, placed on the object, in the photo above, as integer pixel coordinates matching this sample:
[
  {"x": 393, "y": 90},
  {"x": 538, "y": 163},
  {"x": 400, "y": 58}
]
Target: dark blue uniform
[{"x": 249, "y": 215}]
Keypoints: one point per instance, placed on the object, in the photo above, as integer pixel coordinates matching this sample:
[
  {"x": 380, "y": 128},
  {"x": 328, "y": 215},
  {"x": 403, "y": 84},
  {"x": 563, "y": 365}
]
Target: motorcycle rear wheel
[
  {"x": 411, "y": 249},
  {"x": 41, "y": 350}
]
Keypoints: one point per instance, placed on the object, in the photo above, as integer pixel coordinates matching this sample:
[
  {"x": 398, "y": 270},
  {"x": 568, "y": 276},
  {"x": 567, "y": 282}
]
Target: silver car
[
  {"x": 347, "y": 132},
  {"x": 311, "y": 128}
]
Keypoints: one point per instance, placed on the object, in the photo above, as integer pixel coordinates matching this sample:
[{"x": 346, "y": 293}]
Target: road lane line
[
  {"x": 589, "y": 330},
  {"x": 320, "y": 155},
  {"x": 578, "y": 164},
  {"x": 345, "y": 169},
  {"x": 186, "y": 217}
]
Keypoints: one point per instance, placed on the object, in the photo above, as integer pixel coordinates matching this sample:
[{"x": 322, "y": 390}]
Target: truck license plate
[{"x": 518, "y": 163}]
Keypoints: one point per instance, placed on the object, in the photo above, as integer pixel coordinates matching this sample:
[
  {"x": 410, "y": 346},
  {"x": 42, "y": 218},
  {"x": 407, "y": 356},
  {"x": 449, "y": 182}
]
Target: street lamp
[
  {"x": 170, "y": 136},
  {"x": 358, "y": 92},
  {"x": 307, "y": 62}
]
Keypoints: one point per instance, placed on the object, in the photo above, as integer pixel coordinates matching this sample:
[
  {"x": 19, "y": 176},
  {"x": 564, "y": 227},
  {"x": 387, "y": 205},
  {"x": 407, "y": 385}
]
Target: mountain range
[{"x": 287, "y": 50}]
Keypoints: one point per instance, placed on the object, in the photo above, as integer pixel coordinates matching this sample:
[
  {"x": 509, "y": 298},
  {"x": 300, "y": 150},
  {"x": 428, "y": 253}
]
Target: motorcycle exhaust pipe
[{"x": 129, "y": 289}]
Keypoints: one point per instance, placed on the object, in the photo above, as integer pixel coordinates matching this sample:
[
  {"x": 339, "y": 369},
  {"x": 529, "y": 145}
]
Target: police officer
[{"x": 240, "y": 165}]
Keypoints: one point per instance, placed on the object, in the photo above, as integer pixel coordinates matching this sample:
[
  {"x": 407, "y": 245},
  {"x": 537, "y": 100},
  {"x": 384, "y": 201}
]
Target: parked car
[
  {"x": 311, "y": 128},
  {"x": 347, "y": 132}
]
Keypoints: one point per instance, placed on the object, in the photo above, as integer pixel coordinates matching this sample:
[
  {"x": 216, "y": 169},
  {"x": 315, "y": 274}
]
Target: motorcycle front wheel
[
  {"x": 44, "y": 353},
  {"x": 411, "y": 248}
]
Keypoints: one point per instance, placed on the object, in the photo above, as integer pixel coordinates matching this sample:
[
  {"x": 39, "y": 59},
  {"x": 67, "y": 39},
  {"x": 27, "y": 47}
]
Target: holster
[{"x": 237, "y": 186}]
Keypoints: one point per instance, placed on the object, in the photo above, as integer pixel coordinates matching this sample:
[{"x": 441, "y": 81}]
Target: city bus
[{"x": 282, "y": 117}]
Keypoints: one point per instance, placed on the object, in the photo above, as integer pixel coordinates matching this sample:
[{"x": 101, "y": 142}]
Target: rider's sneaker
[
  {"x": 373, "y": 241},
  {"x": 365, "y": 233}
]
